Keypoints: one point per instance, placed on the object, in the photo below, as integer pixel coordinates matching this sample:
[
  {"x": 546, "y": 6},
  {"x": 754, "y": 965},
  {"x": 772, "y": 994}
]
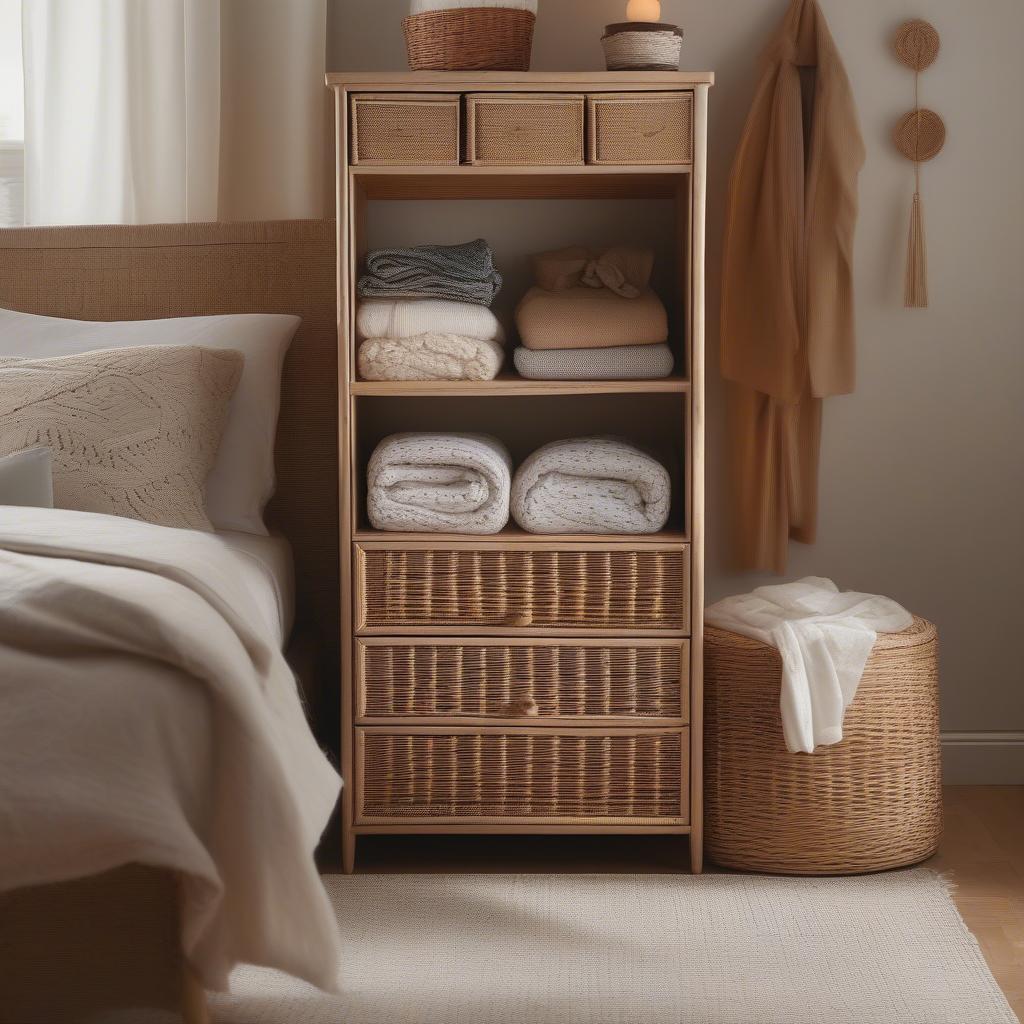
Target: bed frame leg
[
  {"x": 194, "y": 1009},
  {"x": 348, "y": 851}
]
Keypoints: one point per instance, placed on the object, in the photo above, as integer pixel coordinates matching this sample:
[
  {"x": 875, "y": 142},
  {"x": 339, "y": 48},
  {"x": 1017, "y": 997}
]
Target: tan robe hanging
[{"x": 787, "y": 290}]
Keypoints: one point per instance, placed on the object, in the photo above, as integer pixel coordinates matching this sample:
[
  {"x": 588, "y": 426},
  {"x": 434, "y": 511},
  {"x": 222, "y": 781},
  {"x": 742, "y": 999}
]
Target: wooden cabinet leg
[
  {"x": 696, "y": 854},
  {"x": 194, "y": 1009},
  {"x": 348, "y": 851}
]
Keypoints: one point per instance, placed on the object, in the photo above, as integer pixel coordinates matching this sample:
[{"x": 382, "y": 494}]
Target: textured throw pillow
[
  {"x": 242, "y": 480},
  {"x": 133, "y": 432},
  {"x": 26, "y": 478}
]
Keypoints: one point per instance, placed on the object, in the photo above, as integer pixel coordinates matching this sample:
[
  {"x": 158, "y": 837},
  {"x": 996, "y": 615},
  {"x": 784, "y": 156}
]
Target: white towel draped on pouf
[{"x": 824, "y": 637}]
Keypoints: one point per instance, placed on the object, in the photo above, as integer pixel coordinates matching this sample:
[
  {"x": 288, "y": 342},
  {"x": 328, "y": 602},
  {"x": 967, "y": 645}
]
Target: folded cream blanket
[
  {"x": 430, "y": 357},
  {"x": 405, "y": 318},
  {"x": 422, "y": 6},
  {"x": 439, "y": 483},
  {"x": 591, "y": 485},
  {"x": 824, "y": 637}
]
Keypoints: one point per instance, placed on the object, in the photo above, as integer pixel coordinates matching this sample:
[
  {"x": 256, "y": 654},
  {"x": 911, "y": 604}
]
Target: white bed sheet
[{"x": 267, "y": 571}]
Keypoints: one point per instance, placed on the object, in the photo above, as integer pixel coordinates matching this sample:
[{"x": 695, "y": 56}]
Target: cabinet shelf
[
  {"x": 512, "y": 384},
  {"x": 513, "y": 534}
]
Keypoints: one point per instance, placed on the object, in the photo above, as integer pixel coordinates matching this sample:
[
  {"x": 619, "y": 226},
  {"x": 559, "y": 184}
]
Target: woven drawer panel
[
  {"x": 640, "y": 128},
  {"x": 592, "y": 589},
  {"x": 542, "y": 774},
  {"x": 503, "y": 680},
  {"x": 404, "y": 129},
  {"x": 509, "y": 130}
]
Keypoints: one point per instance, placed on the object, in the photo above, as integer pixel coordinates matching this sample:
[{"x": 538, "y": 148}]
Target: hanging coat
[{"x": 787, "y": 328}]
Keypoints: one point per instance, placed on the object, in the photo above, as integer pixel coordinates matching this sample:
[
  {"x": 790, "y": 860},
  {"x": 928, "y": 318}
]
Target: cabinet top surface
[{"x": 618, "y": 80}]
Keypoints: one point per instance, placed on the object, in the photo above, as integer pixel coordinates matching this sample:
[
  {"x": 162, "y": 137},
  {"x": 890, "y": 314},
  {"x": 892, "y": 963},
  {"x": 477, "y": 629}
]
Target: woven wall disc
[
  {"x": 916, "y": 44},
  {"x": 919, "y": 135}
]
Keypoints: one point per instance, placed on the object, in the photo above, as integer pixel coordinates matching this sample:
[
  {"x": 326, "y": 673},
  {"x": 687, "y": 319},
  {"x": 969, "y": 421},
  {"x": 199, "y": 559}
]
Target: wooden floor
[{"x": 982, "y": 852}]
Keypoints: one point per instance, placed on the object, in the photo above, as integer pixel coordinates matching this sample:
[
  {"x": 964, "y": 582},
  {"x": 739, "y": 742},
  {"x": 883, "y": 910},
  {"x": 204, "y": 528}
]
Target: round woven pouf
[{"x": 869, "y": 803}]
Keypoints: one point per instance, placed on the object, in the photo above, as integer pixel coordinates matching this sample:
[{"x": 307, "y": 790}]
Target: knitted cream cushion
[
  {"x": 624, "y": 362},
  {"x": 133, "y": 432}
]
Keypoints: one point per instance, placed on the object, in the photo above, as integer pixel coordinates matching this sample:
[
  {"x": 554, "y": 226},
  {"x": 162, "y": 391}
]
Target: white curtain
[{"x": 150, "y": 111}]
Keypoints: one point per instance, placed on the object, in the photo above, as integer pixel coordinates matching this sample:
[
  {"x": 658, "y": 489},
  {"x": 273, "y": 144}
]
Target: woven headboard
[{"x": 153, "y": 271}]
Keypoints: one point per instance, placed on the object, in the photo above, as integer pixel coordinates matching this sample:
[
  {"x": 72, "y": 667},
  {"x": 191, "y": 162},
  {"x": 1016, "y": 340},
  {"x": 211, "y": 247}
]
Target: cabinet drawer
[
  {"x": 532, "y": 129},
  {"x": 640, "y": 128},
  {"x": 537, "y": 588},
  {"x": 480, "y": 678},
  {"x": 405, "y": 128},
  {"x": 515, "y": 776}
]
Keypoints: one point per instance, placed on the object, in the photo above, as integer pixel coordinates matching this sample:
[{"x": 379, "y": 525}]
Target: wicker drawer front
[
  {"x": 640, "y": 128},
  {"x": 458, "y": 589},
  {"x": 405, "y": 128},
  {"x": 524, "y": 130},
  {"x": 520, "y": 775},
  {"x": 481, "y": 678}
]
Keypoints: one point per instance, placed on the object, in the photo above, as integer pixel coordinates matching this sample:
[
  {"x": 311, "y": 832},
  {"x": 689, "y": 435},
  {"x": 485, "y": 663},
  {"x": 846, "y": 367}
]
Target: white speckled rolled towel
[
  {"x": 624, "y": 362},
  {"x": 439, "y": 483},
  {"x": 591, "y": 485},
  {"x": 423, "y": 6},
  {"x": 405, "y": 318},
  {"x": 430, "y": 357}
]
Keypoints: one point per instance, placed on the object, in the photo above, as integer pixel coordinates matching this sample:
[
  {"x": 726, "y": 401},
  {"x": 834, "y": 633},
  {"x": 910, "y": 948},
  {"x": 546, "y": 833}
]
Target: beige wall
[{"x": 923, "y": 468}]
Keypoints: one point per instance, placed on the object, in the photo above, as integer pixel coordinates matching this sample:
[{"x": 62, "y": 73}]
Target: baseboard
[{"x": 983, "y": 758}]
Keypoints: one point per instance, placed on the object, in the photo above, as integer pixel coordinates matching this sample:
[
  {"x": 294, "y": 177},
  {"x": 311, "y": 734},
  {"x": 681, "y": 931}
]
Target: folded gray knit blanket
[{"x": 462, "y": 272}]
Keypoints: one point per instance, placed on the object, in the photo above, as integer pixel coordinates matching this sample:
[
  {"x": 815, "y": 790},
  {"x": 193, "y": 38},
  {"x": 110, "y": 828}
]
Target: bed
[{"x": 106, "y": 944}]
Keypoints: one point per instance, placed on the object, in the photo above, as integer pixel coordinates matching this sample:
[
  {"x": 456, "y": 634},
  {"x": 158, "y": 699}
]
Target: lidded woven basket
[
  {"x": 470, "y": 39},
  {"x": 870, "y": 803}
]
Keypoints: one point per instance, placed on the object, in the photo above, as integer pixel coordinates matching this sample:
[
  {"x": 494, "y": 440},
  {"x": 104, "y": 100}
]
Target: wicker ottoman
[{"x": 869, "y": 803}]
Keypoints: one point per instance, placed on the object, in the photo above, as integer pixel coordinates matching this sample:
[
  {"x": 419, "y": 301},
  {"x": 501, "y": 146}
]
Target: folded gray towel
[
  {"x": 462, "y": 272},
  {"x": 624, "y": 362}
]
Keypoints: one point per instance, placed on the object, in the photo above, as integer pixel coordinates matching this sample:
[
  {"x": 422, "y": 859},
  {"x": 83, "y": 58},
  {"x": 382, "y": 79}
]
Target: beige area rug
[{"x": 638, "y": 949}]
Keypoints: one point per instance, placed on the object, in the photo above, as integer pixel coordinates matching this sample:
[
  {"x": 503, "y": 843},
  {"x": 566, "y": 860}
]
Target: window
[{"x": 12, "y": 115}]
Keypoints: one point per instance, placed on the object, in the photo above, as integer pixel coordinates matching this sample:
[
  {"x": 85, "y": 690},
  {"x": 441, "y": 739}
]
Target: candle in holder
[{"x": 643, "y": 10}]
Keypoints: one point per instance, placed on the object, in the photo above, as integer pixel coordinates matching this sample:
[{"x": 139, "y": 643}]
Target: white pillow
[
  {"x": 26, "y": 478},
  {"x": 242, "y": 480}
]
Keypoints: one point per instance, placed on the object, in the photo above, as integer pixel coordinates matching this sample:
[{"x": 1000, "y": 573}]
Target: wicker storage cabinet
[
  {"x": 485, "y": 678},
  {"x": 410, "y": 128},
  {"x": 624, "y": 776},
  {"x": 869, "y": 803},
  {"x": 640, "y": 128},
  {"x": 531, "y": 129},
  {"x": 542, "y": 587}
]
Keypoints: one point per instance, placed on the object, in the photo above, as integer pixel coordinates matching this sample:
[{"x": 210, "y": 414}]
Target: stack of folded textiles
[
  {"x": 424, "y": 314},
  {"x": 593, "y": 315}
]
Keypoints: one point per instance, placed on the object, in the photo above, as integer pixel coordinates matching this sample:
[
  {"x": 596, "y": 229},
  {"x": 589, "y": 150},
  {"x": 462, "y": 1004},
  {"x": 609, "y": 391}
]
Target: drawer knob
[{"x": 524, "y": 707}]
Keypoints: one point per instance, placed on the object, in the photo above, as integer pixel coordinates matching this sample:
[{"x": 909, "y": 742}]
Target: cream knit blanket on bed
[
  {"x": 591, "y": 485},
  {"x": 439, "y": 483}
]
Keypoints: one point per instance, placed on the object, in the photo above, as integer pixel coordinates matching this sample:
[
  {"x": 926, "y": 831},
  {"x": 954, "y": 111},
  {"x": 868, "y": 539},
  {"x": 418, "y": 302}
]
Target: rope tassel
[{"x": 915, "y": 294}]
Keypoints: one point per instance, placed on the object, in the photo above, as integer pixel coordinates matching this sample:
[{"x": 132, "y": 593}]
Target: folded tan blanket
[
  {"x": 629, "y": 362},
  {"x": 584, "y": 317},
  {"x": 430, "y": 357}
]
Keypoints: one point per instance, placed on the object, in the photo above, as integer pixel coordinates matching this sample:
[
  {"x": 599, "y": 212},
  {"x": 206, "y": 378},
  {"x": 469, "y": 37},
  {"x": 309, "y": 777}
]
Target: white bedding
[
  {"x": 266, "y": 569},
  {"x": 147, "y": 715}
]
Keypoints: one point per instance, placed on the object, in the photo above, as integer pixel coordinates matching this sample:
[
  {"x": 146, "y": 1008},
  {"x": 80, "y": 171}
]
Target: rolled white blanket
[
  {"x": 591, "y": 485},
  {"x": 406, "y": 318},
  {"x": 422, "y": 6},
  {"x": 439, "y": 483},
  {"x": 430, "y": 357}
]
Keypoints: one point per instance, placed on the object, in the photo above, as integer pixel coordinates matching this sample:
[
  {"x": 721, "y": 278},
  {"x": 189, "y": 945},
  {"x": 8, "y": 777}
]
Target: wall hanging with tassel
[{"x": 919, "y": 135}]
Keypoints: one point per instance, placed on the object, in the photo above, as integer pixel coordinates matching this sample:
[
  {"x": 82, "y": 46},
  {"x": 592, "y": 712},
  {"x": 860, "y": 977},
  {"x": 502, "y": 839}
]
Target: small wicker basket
[
  {"x": 470, "y": 39},
  {"x": 870, "y": 803}
]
